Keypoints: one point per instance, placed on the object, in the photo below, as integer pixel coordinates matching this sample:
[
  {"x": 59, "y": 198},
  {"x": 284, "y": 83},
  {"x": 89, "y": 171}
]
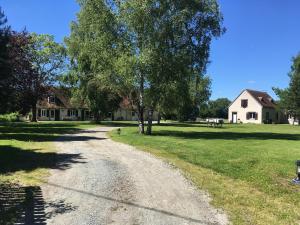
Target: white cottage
[
  {"x": 253, "y": 107},
  {"x": 56, "y": 106}
]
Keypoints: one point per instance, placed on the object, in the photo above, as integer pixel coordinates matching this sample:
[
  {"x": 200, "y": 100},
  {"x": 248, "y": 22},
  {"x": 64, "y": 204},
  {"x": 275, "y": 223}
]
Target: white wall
[
  {"x": 63, "y": 115},
  {"x": 123, "y": 114}
]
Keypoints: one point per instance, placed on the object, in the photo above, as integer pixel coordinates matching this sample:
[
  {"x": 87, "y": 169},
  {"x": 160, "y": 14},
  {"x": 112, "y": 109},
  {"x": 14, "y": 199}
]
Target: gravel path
[{"x": 112, "y": 183}]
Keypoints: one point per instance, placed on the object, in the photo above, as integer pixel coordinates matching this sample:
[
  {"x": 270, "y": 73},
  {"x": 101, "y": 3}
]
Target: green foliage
[
  {"x": 290, "y": 97},
  {"x": 103, "y": 99},
  {"x": 6, "y": 80},
  {"x": 215, "y": 109},
  {"x": 48, "y": 57},
  {"x": 11, "y": 117},
  {"x": 172, "y": 39},
  {"x": 94, "y": 47}
]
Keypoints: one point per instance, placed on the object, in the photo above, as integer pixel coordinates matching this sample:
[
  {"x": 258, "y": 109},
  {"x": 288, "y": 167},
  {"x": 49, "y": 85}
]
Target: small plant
[{"x": 11, "y": 117}]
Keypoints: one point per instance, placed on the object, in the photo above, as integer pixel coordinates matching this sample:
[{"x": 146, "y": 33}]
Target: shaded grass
[{"x": 246, "y": 168}]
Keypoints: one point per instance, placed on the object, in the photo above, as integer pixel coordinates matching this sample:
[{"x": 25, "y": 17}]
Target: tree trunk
[
  {"x": 141, "y": 121},
  {"x": 141, "y": 107},
  {"x": 158, "y": 118},
  {"x": 34, "y": 117},
  {"x": 98, "y": 117},
  {"x": 150, "y": 119},
  {"x": 112, "y": 117}
]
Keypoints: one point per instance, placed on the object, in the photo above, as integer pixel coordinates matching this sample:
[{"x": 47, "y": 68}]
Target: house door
[
  {"x": 82, "y": 115},
  {"x": 268, "y": 117},
  {"x": 57, "y": 115},
  {"x": 234, "y": 117},
  {"x": 52, "y": 114}
]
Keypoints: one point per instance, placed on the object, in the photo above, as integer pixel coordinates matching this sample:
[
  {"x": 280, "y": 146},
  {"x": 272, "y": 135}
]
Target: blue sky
[{"x": 262, "y": 36}]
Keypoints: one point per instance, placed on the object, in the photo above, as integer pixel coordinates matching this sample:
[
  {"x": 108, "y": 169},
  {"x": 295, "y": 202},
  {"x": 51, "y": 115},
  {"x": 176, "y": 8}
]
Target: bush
[{"x": 11, "y": 117}]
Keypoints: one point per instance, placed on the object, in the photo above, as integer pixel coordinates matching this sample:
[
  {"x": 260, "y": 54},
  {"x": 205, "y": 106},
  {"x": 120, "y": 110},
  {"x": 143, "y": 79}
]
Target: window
[
  {"x": 244, "y": 103},
  {"x": 72, "y": 112},
  {"x": 251, "y": 116},
  {"x": 44, "y": 113},
  {"x": 51, "y": 99}
]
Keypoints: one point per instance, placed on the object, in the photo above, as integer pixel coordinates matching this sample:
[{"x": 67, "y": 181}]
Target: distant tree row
[
  {"x": 215, "y": 108},
  {"x": 29, "y": 63}
]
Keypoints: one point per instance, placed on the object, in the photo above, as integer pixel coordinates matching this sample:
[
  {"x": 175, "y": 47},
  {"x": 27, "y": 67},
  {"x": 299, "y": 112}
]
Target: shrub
[{"x": 11, "y": 117}]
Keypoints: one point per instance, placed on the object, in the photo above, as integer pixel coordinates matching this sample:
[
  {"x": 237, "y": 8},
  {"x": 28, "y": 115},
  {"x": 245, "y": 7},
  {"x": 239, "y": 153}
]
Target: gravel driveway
[{"x": 113, "y": 183}]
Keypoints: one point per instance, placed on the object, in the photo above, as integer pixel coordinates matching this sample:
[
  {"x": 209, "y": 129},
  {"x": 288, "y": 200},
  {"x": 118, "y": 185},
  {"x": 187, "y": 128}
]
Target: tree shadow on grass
[
  {"x": 182, "y": 124},
  {"x": 40, "y": 132},
  {"x": 43, "y": 137},
  {"x": 120, "y": 123},
  {"x": 14, "y": 159},
  {"x": 227, "y": 135},
  {"x": 38, "y": 128}
]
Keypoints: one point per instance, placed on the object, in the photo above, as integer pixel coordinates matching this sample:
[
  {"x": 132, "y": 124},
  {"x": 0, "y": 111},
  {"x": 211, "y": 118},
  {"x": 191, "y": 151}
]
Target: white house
[
  {"x": 254, "y": 107},
  {"x": 56, "y": 106}
]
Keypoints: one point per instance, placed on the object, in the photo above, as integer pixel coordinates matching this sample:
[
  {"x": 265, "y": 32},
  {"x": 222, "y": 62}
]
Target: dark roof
[
  {"x": 127, "y": 104},
  {"x": 263, "y": 98},
  {"x": 62, "y": 99}
]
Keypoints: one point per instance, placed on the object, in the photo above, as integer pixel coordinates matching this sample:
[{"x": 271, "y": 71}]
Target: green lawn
[{"x": 247, "y": 169}]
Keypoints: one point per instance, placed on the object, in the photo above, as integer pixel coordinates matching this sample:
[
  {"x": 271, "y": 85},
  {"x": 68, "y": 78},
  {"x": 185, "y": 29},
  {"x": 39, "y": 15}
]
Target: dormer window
[
  {"x": 244, "y": 103},
  {"x": 51, "y": 99}
]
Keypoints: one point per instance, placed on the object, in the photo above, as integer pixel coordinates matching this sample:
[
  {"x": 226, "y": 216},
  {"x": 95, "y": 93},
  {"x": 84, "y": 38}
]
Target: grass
[
  {"x": 27, "y": 151},
  {"x": 247, "y": 169}
]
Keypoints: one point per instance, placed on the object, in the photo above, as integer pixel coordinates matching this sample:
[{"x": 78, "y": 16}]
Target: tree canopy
[
  {"x": 215, "y": 108},
  {"x": 290, "y": 96},
  {"x": 152, "y": 52}
]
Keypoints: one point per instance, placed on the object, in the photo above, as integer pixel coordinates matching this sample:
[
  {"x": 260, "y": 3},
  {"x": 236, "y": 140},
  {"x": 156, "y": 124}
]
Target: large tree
[
  {"x": 172, "y": 41},
  {"x": 22, "y": 71},
  {"x": 145, "y": 49},
  {"x": 15, "y": 68},
  {"x": 94, "y": 47},
  {"x": 290, "y": 97}
]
